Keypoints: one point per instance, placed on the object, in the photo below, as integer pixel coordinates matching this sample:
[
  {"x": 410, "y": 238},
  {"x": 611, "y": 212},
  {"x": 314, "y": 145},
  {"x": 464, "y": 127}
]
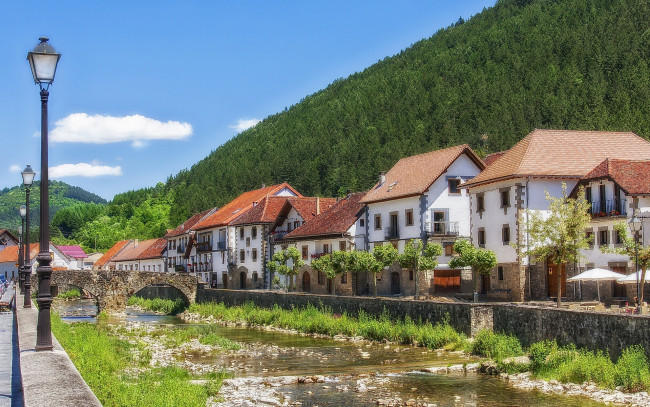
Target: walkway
[{"x": 10, "y": 385}]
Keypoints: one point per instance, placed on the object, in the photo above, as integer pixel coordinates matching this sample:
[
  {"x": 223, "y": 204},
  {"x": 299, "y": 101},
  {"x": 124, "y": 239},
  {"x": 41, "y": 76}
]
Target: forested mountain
[
  {"x": 488, "y": 81},
  {"x": 61, "y": 195}
]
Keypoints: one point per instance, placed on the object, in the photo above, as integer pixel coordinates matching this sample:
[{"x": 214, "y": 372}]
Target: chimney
[
  {"x": 382, "y": 177},
  {"x": 317, "y": 205},
  {"x": 348, "y": 192},
  {"x": 135, "y": 243},
  {"x": 263, "y": 185}
]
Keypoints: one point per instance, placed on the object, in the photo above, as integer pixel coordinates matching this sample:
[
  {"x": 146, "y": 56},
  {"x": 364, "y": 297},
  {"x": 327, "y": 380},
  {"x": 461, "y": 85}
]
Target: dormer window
[{"x": 454, "y": 184}]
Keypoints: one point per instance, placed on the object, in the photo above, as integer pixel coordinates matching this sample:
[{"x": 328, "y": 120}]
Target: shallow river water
[{"x": 356, "y": 373}]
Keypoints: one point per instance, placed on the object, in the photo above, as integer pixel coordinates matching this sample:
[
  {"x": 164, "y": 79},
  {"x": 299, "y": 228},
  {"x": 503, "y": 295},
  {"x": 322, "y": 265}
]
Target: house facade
[
  {"x": 74, "y": 256},
  {"x": 518, "y": 181},
  {"x": 9, "y": 260},
  {"x": 421, "y": 198},
  {"x": 148, "y": 255},
  {"x": 7, "y": 239}
]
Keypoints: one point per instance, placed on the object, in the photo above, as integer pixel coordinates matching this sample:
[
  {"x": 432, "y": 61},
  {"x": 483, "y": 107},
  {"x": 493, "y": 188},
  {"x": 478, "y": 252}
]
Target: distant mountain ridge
[{"x": 61, "y": 195}]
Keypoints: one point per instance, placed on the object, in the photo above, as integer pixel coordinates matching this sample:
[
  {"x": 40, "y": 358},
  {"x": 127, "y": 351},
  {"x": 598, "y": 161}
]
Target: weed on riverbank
[
  {"x": 118, "y": 371},
  {"x": 70, "y": 294},
  {"x": 167, "y": 307}
]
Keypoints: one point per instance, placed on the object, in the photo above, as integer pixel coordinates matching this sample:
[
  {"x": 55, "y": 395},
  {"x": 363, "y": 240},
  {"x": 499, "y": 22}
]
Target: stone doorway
[
  {"x": 306, "y": 282},
  {"x": 224, "y": 280},
  {"x": 394, "y": 283},
  {"x": 242, "y": 280}
]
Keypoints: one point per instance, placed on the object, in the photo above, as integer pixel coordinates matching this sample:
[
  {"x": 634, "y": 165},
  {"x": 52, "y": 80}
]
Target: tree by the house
[
  {"x": 559, "y": 234},
  {"x": 635, "y": 250},
  {"x": 287, "y": 262},
  {"x": 482, "y": 261},
  {"x": 382, "y": 256},
  {"x": 418, "y": 259}
]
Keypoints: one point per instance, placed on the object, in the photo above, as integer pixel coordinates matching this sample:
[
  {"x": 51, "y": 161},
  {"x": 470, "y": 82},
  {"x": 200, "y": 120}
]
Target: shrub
[
  {"x": 72, "y": 293},
  {"x": 632, "y": 369},
  {"x": 496, "y": 346}
]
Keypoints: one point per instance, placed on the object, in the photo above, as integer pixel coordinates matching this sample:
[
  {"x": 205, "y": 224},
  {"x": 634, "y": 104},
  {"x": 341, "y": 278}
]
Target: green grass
[
  {"x": 70, "y": 294},
  {"x": 496, "y": 346},
  {"x": 323, "y": 321},
  {"x": 167, "y": 307},
  {"x": 103, "y": 361}
]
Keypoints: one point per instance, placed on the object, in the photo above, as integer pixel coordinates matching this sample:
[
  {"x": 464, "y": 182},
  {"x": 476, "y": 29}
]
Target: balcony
[
  {"x": 613, "y": 207},
  {"x": 204, "y": 247},
  {"x": 442, "y": 228},
  {"x": 318, "y": 255},
  {"x": 180, "y": 249},
  {"x": 391, "y": 233},
  {"x": 278, "y": 234},
  {"x": 179, "y": 268}
]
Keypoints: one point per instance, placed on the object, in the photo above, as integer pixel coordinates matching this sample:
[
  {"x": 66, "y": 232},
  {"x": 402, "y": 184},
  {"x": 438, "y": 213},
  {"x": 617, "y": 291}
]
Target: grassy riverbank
[
  {"x": 547, "y": 360},
  {"x": 70, "y": 294},
  {"x": 119, "y": 374},
  {"x": 167, "y": 307}
]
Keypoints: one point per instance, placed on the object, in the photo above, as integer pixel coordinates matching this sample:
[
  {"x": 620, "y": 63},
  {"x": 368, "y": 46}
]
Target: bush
[
  {"x": 632, "y": 369},
  {"x": 70, "y": 294},
  {"x": 496, "y": 346}
]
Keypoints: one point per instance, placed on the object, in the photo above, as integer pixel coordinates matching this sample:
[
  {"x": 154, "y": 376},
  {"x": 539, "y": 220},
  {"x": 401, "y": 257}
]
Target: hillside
[
  {"x": 62, "y": 195},
  {"x": 520, "y": 65}
]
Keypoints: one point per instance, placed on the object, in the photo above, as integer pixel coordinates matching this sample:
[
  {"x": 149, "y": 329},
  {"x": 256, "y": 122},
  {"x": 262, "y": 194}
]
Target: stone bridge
[{"x": 112, "y": 289}]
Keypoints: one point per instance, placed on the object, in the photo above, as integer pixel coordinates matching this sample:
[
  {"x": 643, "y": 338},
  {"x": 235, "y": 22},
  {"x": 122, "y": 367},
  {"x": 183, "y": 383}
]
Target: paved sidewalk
[{"x": 10, "y": 381}]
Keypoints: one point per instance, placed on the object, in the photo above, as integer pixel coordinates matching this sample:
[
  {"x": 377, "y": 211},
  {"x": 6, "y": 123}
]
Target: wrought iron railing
[
  {"x": 204, "y": 246},
  {"x": 391, "y": 233},
  {"x": 442, "y": 228},
  {"x": 612, "y": 207}
]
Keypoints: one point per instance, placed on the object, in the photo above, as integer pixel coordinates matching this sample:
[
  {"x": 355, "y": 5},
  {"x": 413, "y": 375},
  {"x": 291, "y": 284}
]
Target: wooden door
[
  {"x": 394, "y": 283},
  {"x": 555, "y": 272},
  {"x": 485, "y": 283},
  {"x": 306, "y": 282},
  {"x": 242, "y": 280},
  {"x": 446, "y": 281}
]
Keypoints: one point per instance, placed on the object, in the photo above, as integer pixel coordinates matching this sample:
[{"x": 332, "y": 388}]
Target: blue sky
[{"x": 145, "y": 89}]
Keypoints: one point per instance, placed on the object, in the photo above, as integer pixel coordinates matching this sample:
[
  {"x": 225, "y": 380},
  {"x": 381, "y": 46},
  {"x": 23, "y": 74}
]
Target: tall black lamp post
[
  {"x": 43, "y": 61},
  {"x": 635, "y": 226},
  {"x": 21, "y": 270},
  {"x": 28, "y": 178}
]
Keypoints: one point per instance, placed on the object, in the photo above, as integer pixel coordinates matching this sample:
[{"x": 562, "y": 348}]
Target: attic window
[{"x": 236, "y": 210}]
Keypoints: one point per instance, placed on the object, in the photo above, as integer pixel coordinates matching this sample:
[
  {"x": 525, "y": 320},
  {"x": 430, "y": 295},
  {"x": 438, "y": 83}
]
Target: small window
[
  {"x": 378, "y": 221},
  {"x": 603, "y": 237},
  {"x": 344, "y": 278},
  {"x": 409, "y": 217},
  {"x": 305, "y": 252},
  {"x": 296, "y": 224},
  {"x": 241, "y": 234},
  {"x": 248, "y": 241},
  {"x": 500, "y": 273},
  {"x": 618, "y": 239},
  {"x": 449, "y": 249},
  {"x": 411, "y": 275},
  {"x": 454, "y": 183},
  {"x": 242, "y": 255},
  {"x": 342, "y": 246},
  {"x": 327, "y": 248},
  {"x": 481, "y": 237},
  {"x": 480, "y": 203},
  {"x": 505, "y": 198},
  {"x": 362, "y": 223},
  {"x": 254, "y": 232},
  {"x": 254, "y": 254},
  {"x": 505, "y": 234},
  {"x": 255, "y": 277},
  {"x": 590, "y": 237}
]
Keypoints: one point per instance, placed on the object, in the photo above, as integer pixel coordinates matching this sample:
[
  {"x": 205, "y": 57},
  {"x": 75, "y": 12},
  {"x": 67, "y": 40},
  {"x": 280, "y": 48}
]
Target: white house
[
  {"x": 420, "y": 198},
  {"x": 148, "y": 255},
  {"x": 7, "y": 239},
  {"x": 518, "y": 180},
  {"x": 216, "y": 237}
]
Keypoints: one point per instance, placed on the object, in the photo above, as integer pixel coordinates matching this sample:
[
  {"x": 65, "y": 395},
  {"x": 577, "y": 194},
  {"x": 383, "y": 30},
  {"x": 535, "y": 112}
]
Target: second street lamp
[
  {"x": 21, "y": 270},
  {"x": 635, "y": 226},
  {"x": 43, "y": 61},
  {"x": 28, "y": 178}
]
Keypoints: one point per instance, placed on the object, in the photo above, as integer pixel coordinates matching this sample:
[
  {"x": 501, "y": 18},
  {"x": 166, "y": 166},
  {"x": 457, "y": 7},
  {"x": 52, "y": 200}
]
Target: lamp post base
[{"x": 44, "y": 301}]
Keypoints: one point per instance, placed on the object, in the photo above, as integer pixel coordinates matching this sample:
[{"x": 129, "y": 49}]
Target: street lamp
[
  {"x": 28, "y": 178},
  {"x": 635, "y": 226},
  {"x": 43, "y": 61},
  {"x": 21, "y": 272}
]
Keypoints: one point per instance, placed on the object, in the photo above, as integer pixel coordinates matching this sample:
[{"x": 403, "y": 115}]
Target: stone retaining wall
[{"x": 464, "y": 317}]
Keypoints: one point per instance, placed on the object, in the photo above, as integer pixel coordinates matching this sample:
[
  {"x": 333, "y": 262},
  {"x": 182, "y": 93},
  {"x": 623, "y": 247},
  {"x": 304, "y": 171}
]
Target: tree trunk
[
  {"x": 641, "y": 284},
  {"x": 559, "y": 285},
  {"x": 374, "y": 287},
  {"x": 475, "y": 283},
  {"x": 415, "y": 276}
]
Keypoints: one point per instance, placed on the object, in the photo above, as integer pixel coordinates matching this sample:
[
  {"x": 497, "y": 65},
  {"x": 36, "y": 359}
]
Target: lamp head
[
  {"x": 23, "y": 211},
  {"x": 28, "y": 176},
  {"x": 43, "y": 60}
]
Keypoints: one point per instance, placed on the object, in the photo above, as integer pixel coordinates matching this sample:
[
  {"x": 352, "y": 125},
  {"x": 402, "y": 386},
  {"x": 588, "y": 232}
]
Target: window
[
  {"x": 480, "y": 203},
  {"x": 344, "y": 278},
  {"x": 305, "y": 252},
  {"x": 254, "y": 254},
  {"x": 296, "y": 224},
  {"x": 362, "y": 222},
  {"x": 409, "y": 217},
  {"x": 453, "y": 185},
  {"x": 241, "y": 234},
  {"x": 342, "y": 246},
  {"x": 500, "y": 273},
  {"x": 481, "y": 237},
  {"x": 590, "y": 237},
  {"x": 618, "y": 239},
  {"x": 255, "y": 277},
  {"x": 327, "y": 249},
  {"x": 242, "y": 255},
  {"x": 248, "y": 242},
  {"x": 411, "y": 275},
  {"x": 505, "y": 234},
  {"x": 449, "y": 249},
  {"x": 505, "y": 197},
  {"x": 378, "y": 221},
  {"x": 254, "y": 232},
  {"x": 588, "y": 195},
  {"x": 603, "y": 236}
]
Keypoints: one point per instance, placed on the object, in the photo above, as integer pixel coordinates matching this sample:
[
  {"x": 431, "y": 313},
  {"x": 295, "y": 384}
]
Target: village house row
[{"x": 440, "y": 196}]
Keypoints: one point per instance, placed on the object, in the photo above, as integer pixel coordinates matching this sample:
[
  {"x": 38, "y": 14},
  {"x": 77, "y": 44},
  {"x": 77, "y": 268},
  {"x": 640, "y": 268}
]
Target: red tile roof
[
  {"x": 155, "y": 249},
  {"x": 135, "y": 249},
  {"x": 414, "y": 175},
  {"x": 562, "y": 153},
  {"x": 337, "y": 220},
  {"x": 491, "y": 158},
  {"x": 239, "y": 205},
  {"x": 10, "y": 253},
  {"x": 76, "y": 252},
  {"x": 633, "y": 176},
  {"x": 266, "y": 211},
  {"x": 306, "y": 206},
  {"x": 112, "y": 252},
  {"x": 186, "y": 226}
]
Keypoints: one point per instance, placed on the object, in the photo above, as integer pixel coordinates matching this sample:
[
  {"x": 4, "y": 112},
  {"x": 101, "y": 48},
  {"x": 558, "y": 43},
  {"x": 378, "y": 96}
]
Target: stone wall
[
  {"x": 591, "y": 330},
  {"x": 464, "y": 317}
]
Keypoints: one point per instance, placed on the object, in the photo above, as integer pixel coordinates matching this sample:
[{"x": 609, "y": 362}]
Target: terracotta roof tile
[
  {"x": 156, "y": 248},
  {"x": 112, "y": 252},
  {"x": 186, "y": 226},
  {"x": 633, "y": 176},
  {"x": 265, "y": 211},
  {"x": 306, "y": 206},
  {"x": 491, "y": 158},
  {"x": 414, "y": 175},
  {"x": 334, "y": 221},
  {"x": 562, "y": 153},
  {"x": 10, "y": 253},
  {"x": 237, "y": 206},
  {"x": 134, "y": 250}
]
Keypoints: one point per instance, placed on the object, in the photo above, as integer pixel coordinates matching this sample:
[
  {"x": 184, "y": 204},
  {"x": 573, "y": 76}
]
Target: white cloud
[
  {"x": 83, "y": 170},
  {"x": 98, "y": 129},
  {"x": 243, "y": 124},
  {"x": 14, "y": 168}
]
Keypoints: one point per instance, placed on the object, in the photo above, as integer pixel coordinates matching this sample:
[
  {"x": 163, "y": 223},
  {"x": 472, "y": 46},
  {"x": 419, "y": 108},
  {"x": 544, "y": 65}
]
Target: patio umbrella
[
  {"x": 597, "y": 275},
  {"x": 632, "y": 277}
]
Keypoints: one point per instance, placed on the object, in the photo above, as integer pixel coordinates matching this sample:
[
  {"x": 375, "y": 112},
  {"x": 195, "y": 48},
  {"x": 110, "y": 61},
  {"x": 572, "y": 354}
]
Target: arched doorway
[
  {"x": 242, "y": 280},
  {"x": 306, "y": 282},
  {"x": 394, "y": 283}
]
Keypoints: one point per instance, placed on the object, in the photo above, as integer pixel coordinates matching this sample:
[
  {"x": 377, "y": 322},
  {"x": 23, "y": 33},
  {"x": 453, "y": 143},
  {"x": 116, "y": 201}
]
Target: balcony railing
[
  {"x": 180, "y": 249},
  {"x": 318, "y": 255},
  {"x": 278, "y": 234},
  {"x": 179, "y": 267},
  {"x": 442, "y": 228},
  {"x": 204, "y": 246},
  {"x": 391, "y": 233},
  {"x": 613, "y": 207}
]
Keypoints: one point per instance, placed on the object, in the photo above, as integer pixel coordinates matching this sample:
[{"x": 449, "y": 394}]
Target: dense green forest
[
  {"x": 487, "y": 81},
  {"x": 520, "y": 65}
]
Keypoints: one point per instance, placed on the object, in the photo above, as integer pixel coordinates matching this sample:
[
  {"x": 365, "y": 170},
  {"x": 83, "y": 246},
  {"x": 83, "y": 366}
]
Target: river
[{"x": 349, "y": 373}]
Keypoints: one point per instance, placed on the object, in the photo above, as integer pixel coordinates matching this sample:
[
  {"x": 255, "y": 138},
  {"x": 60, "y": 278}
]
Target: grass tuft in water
[{"x": 167, "y": 307}]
